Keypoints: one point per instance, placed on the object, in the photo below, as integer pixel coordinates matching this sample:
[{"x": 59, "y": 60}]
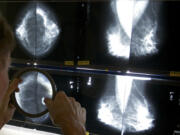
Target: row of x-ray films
[
  {"x": 116, "y": 105},
  {"x": 119, "y": 33}
]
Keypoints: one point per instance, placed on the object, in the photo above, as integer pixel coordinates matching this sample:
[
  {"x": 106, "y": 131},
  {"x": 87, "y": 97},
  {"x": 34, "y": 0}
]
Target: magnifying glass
[{"x": 35, "y": 87}]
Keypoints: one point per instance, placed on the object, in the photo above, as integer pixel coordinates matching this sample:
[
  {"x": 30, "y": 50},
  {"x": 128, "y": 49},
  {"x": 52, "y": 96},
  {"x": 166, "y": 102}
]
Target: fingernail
[
  {"x": 17, "y": 90},
  {"x": 62, "y": 93},
  {"x": 45, "y": 100},
  {"x": 20, "y": 80}
]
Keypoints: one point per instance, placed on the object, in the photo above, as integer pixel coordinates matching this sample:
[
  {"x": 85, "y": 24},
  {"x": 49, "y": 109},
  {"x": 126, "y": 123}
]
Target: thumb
[
  {"x": 48, "y": 102},
  {"x": 9, "y": 113}
]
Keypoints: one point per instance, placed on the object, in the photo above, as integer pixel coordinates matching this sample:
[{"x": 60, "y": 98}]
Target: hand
[
  {"x": 6, "y": 108},
  {"x": 67, "y": 113}
]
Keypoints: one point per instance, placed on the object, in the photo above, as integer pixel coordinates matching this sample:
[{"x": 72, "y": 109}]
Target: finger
[
  {"x": 61, "y": 94},
  {"x": 84, "y": 111},
  {"x": 72, "y": 100},
  {"x": 61, "y": 97},
  {"x": 10, "y": 112},
  {"x": 48, "y": 103},
  {"x": 73, "y": 104},
  {"x": 78, "y": 105},
  {"x": 84, "y": 115},
  {"x": 13, "y": 86},
  {"x": 77, "y": 108}
]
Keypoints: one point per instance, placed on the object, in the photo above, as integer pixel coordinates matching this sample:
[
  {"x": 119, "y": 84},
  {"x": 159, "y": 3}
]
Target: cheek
[{"x": 4, "y": 82}]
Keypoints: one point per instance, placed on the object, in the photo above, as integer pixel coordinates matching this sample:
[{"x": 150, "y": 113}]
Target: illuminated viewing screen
[
  {"x": 123, "y": 105},
  {"x": 138, "y": 34}
]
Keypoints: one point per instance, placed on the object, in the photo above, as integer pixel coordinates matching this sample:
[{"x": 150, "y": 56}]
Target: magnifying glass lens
[{"x": 35, "y": 87}]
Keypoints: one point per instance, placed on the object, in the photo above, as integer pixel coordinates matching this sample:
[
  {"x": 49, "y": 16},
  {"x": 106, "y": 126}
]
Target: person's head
[{"x": 7, "y": 45}]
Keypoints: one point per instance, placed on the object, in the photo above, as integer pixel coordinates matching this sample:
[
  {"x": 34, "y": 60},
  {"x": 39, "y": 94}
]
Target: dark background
[
  {"x": 157, "y": 93},
  {"x": 83, "y": 37},
  {"x": 168, "y": 45}
]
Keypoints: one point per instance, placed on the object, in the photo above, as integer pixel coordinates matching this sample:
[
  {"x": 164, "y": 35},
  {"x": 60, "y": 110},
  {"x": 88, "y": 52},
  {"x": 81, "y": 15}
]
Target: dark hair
[{"x": 7, "y": 42}]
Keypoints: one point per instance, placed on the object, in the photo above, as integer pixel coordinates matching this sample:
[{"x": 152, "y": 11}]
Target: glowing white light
[
  {"x": 104, "y": 114},
  {"x": 28, "y": 63},
  {"x": 21, "y": 31},
  {"x": 129, "y": 12},
  {"x": 42, "y": 101},
  {"x": 123, "y": 90},
  {"x": 128, "y": 71},
  {"x": 146, "y": 42},
  {"x": 133, "y": 112},
  {"x": 20, "y": 95},
  {"x": 71, "y": 86},
  {"x": 144, "y": 119},
  {"x": 149, "y": 43},
  {"x": 43, "y": 14},
  {"x": 117, "y": 47},
  {"x": 140, "y": 78},
  {"x": 125, "y": 12},
  {"x": 89, "y": 81},
  {"x": 35, "y": 64},
  {"x": 42, "y": 79},
  {"x": 137, "y": 105},
  {"x": 14, "y": 130},
  {"x": 171, "y": 96},
  {"x": 52, "y": 29},
  {"x": 38, "y": 31},
  {"x": 71, "y": 82},
  {"x": 139, "y": 8},
  {"x": 176, "y": 132}
]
